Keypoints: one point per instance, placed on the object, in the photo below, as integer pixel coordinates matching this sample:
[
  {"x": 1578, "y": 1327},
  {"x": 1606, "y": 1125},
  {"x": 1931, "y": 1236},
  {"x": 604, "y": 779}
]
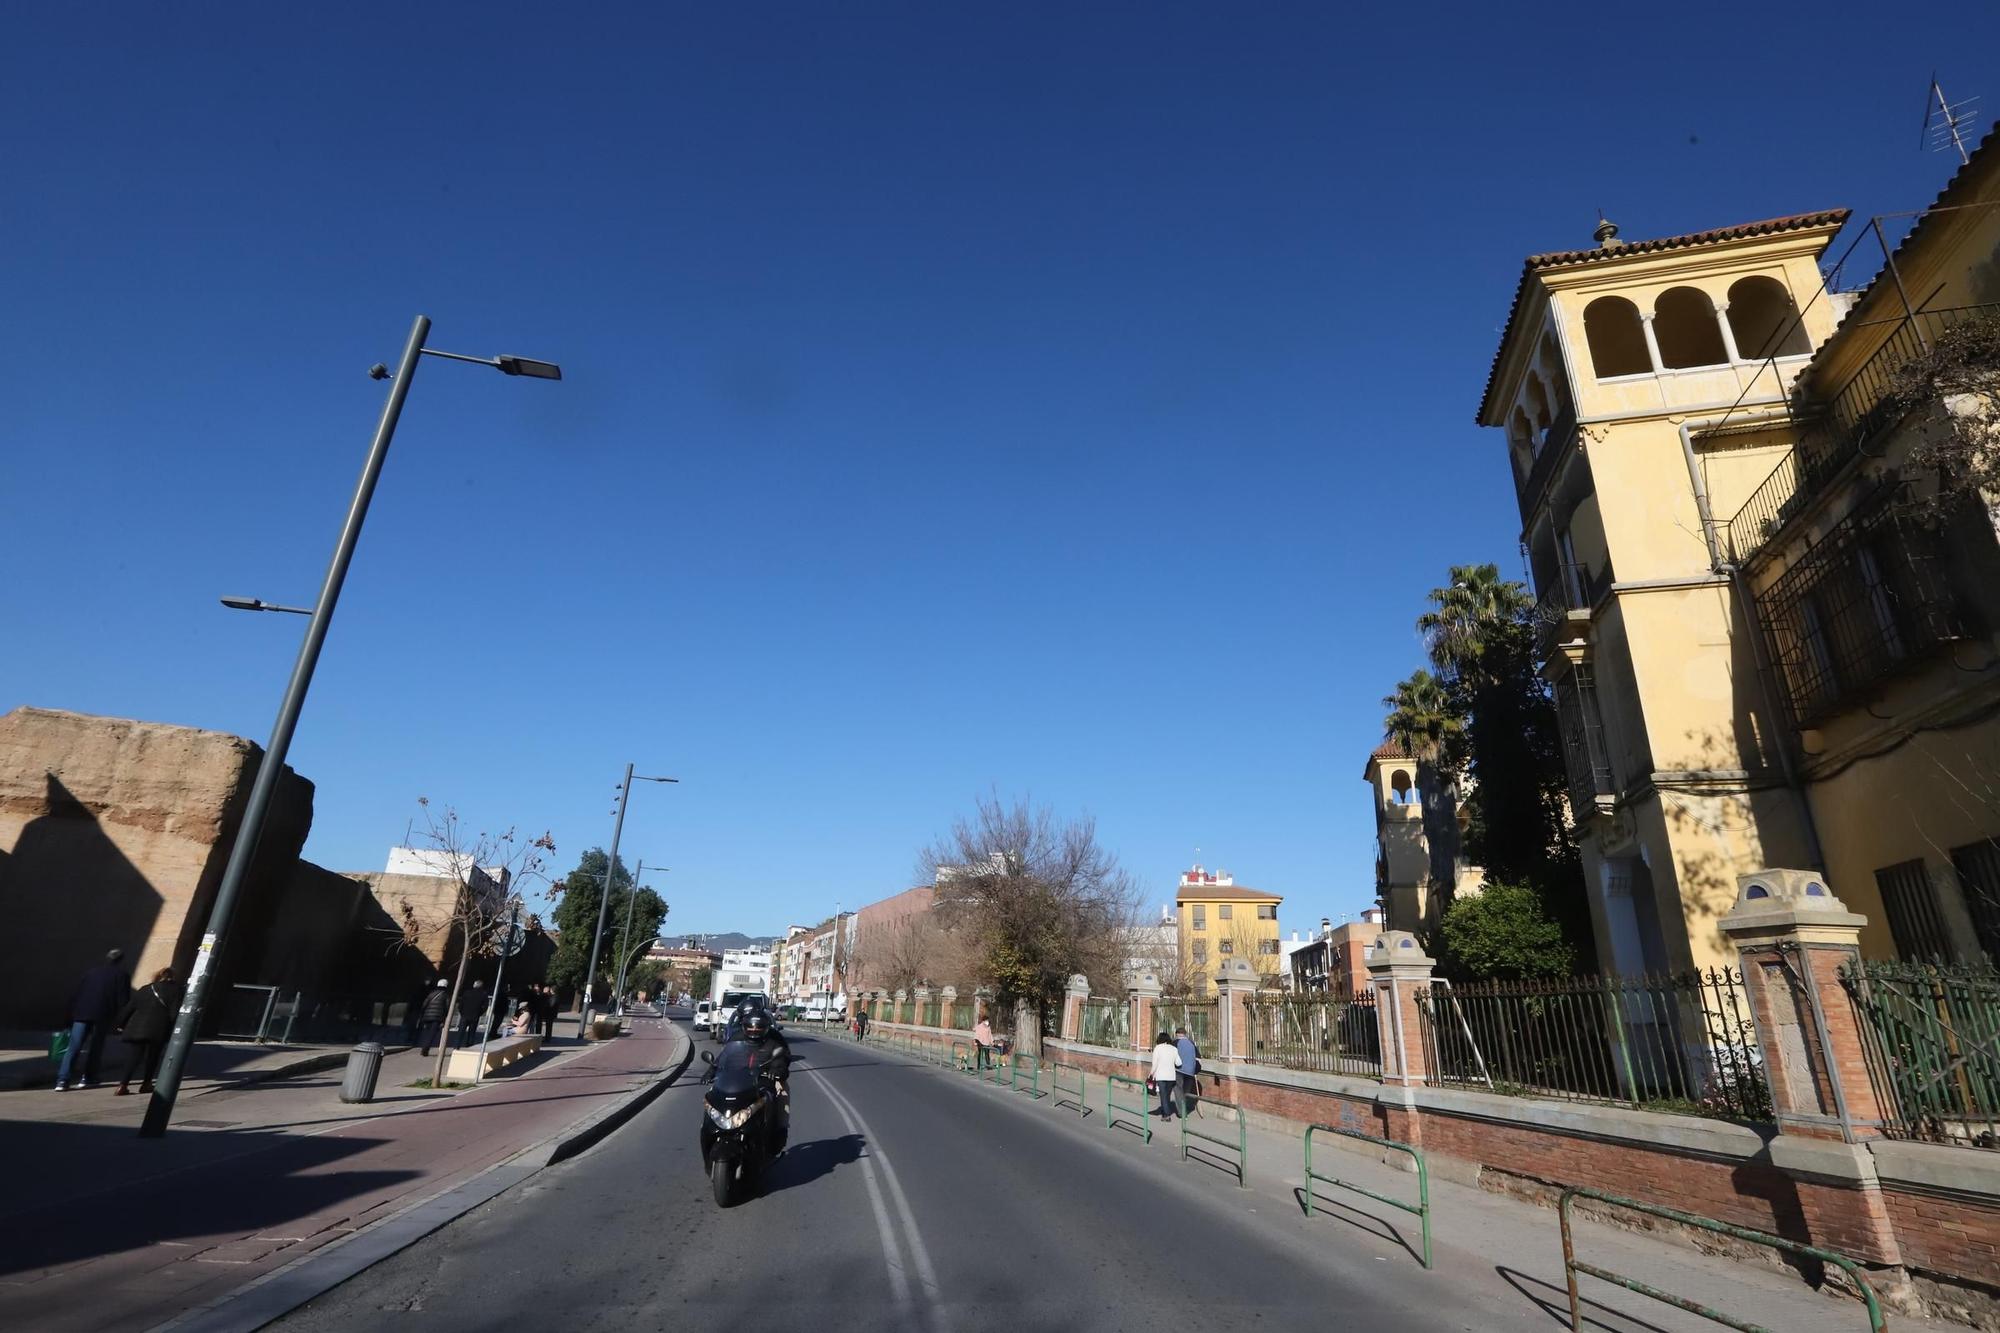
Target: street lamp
[
  {"x": 167, "y": 1084},
  {"x": 604, "y": 899},
  {"x": 625, "y": 966},
  {"x": 254, "y": 604},
  {"x": 625, "y": 935}
]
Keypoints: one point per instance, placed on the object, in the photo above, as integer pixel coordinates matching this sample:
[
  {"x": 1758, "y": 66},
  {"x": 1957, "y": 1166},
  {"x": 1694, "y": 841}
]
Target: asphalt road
[{"x": 911, "y": 1198}]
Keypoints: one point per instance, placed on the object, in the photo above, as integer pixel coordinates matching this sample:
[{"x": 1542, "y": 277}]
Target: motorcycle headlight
[{"x": 730, "y": 1119}]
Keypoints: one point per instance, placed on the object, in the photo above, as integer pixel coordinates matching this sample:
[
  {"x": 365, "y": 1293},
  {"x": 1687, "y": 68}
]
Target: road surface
[{"x": 911, "y": 1198}]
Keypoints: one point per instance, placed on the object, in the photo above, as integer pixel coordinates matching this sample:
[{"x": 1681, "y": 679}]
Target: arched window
[
  {"x": 1537, "y": 401},
  {"x": 1617, "y": 342},
  {"x": 1684, "y": 326},
  {"x": 1405, "y": 791},
  {"x": 1550, "y": 362},
  {"x": 1765, "y": 321}
]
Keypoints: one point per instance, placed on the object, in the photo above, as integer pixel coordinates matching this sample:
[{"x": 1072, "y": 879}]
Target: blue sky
[{"x": 1071, "y": 401}]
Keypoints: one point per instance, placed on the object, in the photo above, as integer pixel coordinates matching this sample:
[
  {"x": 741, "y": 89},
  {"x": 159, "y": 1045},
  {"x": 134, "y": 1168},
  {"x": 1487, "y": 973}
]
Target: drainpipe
[{"x": 1740, "y": 585}]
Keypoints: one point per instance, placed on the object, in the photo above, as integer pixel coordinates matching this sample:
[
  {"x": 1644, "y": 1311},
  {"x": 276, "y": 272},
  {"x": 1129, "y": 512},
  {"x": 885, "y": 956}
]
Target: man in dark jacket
[
  {"x": 146, "y": 1021},
  {"x": 92, "y": 1010},
  {"x": 431, "y": 1016},
  {"x": 471, "y": 1004}
]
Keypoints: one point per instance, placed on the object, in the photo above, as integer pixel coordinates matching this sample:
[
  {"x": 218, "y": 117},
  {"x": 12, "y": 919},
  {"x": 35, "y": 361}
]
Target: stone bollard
[
  {"x": 1235, "y": 989},
  {"x": 1074, "y": 996},
  {"x": 1143, "y": 996}
]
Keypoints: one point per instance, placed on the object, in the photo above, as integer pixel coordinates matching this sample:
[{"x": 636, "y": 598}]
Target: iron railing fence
[
  {"x": 1324, "y": 1034},
  {"x": 1197, "y": 1016},
  {"x": 933, "y": 1014},
  {"x": 1931, "y": 1035},
  {"x": 1558, "y": 443},
  {"x": 1586, "y": 758},
  {"x": 1572, "y": 589},
  {"x": 1848, "y": 419},
  {"x": 1679, "y": 1042},
  {"x": 1107, "y": 1023},
  {"x": 961, "y": 1015}
]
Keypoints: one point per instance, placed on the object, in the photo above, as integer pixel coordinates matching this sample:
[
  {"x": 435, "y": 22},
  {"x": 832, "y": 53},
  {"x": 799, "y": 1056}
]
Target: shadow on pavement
[
  {"x": 229, "y": 1198},
  {"x": 1343, "y": 1211},
  {"x": 1556, "y": 1304},
  {"x": 803, "y": 1163}
]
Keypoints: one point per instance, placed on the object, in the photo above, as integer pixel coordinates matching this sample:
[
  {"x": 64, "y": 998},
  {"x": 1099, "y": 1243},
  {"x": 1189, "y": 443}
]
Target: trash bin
[{"x": 364, "y": 1065}]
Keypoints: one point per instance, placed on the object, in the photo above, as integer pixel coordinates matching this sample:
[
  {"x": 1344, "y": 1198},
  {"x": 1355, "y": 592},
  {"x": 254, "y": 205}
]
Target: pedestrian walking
[
  {"x": 549, "y": 1006},
  {"x": 1165, "y": 1074},
  {"x": 1190, "y": 1069},
  {"x": 982, "y": 1041},
  {"x": 93, "y": 1008},
  {"x": 431, "y": 1016},
  {"x": 471, "y": 1004},
  {"x": 861, "y": 1025},
  {"x": 145, "y": 1023}
]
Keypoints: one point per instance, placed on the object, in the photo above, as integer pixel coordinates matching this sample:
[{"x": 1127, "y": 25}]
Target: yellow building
[
  {"x": 1419, "y": 826},
  {"x": 1220, "y": 919},
  {"x": 1760, "y": 655}
]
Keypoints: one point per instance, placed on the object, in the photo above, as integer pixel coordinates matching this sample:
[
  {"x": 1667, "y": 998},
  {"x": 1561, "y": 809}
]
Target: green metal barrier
[
  {"x": 1572, "y": 1265},
  {"x": 1422, "y": 1207},
  {"x": 1057, "y": 1088},
  {"x": 1112, "y": 1105},
  {"x": 1034, "y": 1075},
  {"x": 1241, "y": 1143}
]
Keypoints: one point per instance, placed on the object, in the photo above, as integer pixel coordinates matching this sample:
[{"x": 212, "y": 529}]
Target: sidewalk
[
  {"x": 102, "y": 1230},
  {"x": 1505, "y": 1248},
  {"x": 25, "y": 1063}
]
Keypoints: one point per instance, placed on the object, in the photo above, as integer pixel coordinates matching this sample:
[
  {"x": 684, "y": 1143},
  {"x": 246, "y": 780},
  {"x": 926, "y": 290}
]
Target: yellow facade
[
  {"x": 1719, "y": 717},
  {"x": 1218, "y": 920},
  {"x": 1419, "y": 824}
]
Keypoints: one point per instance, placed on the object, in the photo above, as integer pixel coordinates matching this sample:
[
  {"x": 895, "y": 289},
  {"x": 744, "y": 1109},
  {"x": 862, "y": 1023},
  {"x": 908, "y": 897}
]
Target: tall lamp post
[
  {"x": 604, "y": 899},
  {"x": 625, "y": 937},
  {"x": 167, "y": 1084}
]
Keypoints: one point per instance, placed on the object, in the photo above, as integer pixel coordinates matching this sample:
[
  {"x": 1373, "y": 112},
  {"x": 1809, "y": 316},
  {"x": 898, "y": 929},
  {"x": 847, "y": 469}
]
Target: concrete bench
[{"x": 463, "y": 1066}]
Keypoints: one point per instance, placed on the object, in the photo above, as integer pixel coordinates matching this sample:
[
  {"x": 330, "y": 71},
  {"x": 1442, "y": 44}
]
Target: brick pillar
[
  {"x": 1792, "y": 935},
  {"x": 1235, "y": 987},
  {"x": 1143, "y": 995},
  {"x": 946, "y": 999},
  {"x": 919, "y": 997},
  {"x": 1072, "y": 1015},
  {"x": 896, "y": 1014},
  {"x": 1398, "y": 970}
]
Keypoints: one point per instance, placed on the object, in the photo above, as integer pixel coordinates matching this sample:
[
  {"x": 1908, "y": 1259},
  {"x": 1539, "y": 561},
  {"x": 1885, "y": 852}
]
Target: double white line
[{"x": 931, "y": 1294}]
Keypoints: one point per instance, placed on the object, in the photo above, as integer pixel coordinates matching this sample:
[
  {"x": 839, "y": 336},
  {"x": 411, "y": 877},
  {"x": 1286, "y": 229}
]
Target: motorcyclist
[{"x": 772, "y": 1055}]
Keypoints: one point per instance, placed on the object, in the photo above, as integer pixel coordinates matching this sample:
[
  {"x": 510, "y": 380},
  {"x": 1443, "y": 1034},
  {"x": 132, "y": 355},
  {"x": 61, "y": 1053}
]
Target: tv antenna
[{"x": 1945, "y": 121}]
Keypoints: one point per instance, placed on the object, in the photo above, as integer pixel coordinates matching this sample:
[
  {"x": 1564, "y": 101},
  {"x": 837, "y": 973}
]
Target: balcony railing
[
  {"x": 1571, "y": 594},
  {"x": 1558, "y": 443},
  {"x": 1841, "y": 425},
  {"x": 1873, "y": 597}
]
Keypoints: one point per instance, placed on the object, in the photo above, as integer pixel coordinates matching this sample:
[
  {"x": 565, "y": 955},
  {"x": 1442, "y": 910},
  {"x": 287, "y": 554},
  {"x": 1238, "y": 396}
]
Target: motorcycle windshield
[{"x": 736, "y": 1070}]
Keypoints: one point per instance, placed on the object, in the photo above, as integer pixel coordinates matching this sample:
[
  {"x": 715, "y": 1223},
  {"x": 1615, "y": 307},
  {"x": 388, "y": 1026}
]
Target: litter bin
[{"x": 364, "y": 1065}]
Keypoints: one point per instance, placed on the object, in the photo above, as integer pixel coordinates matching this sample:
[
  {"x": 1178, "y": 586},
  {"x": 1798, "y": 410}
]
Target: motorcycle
[{"x": 746, "y": 1118}]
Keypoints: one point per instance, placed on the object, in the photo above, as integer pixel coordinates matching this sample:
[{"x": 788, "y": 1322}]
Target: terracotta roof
[
  {"x": 1392, "y": 750},
  {"x": 1195, "y": 893},
  {"x": 1830, "y": 217}
]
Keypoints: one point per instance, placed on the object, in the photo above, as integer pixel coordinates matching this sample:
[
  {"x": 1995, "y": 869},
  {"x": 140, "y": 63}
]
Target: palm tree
[
  {"x": 1471, "y": 615},
  {"x": 1421, "y": 717}
]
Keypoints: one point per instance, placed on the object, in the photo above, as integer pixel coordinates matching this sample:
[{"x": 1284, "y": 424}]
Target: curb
[{"x": 277, "y": 1293}]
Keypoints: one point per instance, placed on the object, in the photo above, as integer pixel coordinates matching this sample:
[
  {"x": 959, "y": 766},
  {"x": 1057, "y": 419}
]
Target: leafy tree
[
  {"x": 1425, "y": 719},
  {"x": 1503, "y": 933},
  {"x": 577, "y": 895}
]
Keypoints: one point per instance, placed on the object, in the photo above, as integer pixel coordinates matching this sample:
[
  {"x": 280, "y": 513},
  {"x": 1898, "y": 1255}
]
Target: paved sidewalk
[
  {"x": 26, "y": 1070},
  {"x": 1507, "y": 1249},
  {"x": 102, "y": 1230}
]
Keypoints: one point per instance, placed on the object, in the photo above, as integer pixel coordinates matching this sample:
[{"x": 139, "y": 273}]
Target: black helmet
[{"x": 756, "y": 1025}]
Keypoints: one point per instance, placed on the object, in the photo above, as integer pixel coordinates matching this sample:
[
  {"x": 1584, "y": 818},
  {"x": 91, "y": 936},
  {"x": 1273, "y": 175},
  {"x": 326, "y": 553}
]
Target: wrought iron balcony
[
  {"x": 1836, "y": 429},
  {"x": 1566, "y": 605},
  {"x": 1874, "y": 597},
  {"x": 1558, "y": 443},
  {"x": 1592, "y": 782}
]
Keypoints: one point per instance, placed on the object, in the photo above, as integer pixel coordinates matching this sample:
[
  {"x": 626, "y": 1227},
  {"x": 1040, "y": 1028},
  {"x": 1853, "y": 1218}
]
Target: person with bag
[
  {"x": 1164, "y": 1076},
  {"x": 431, "y": 1017},
  {"x": 99, "y": 998},
  {"x": 145, "y": 1024},
  {"x": 982, "y": 1041}
]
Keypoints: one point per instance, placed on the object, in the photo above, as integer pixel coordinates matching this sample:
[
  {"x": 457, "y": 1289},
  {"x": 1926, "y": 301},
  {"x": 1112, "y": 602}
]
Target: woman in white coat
[{"x": 1165, "y": 1073}]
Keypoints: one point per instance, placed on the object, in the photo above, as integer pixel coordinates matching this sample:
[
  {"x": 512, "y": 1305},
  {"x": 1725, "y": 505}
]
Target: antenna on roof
[{"x": 1944, "y": 120}]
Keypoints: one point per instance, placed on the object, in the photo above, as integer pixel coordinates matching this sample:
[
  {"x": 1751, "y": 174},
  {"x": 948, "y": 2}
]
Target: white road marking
[
  {"x": 899, "y": 1281},
  {"x": 925, "y": 1272}
]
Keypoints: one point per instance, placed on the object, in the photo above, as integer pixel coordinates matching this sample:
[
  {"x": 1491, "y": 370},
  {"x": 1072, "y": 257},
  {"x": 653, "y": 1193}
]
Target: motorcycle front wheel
[{"x": 722, "y": 1176}]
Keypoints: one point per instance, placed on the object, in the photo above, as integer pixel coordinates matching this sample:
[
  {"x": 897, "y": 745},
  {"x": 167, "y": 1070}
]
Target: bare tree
[
  {"x": 1034, "y": 899},
  {"x": 1247, "y": 942},
  {"x": 488, "y": 872}
]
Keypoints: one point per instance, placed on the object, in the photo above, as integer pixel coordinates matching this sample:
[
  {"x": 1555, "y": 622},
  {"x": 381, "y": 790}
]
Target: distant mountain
[{"x": 731, "y": 940}]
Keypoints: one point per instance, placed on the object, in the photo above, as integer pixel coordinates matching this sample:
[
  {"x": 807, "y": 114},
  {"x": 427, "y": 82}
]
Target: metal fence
[
  {"x": 1107, "y": 1023},
  {"x": 1682, "y": 1042},
  {"x": 933, "y": 1014},
  {"x": 1931, "y": 1034},
  {"x": 1321, "y": 1033},
  {"x": 961, "y": 1015},
  {"x": 1197, "y": 1016}
]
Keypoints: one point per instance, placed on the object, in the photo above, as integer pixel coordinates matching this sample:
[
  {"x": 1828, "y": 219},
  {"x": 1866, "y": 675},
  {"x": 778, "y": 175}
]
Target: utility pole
[{"x": 604, "y": 901}]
